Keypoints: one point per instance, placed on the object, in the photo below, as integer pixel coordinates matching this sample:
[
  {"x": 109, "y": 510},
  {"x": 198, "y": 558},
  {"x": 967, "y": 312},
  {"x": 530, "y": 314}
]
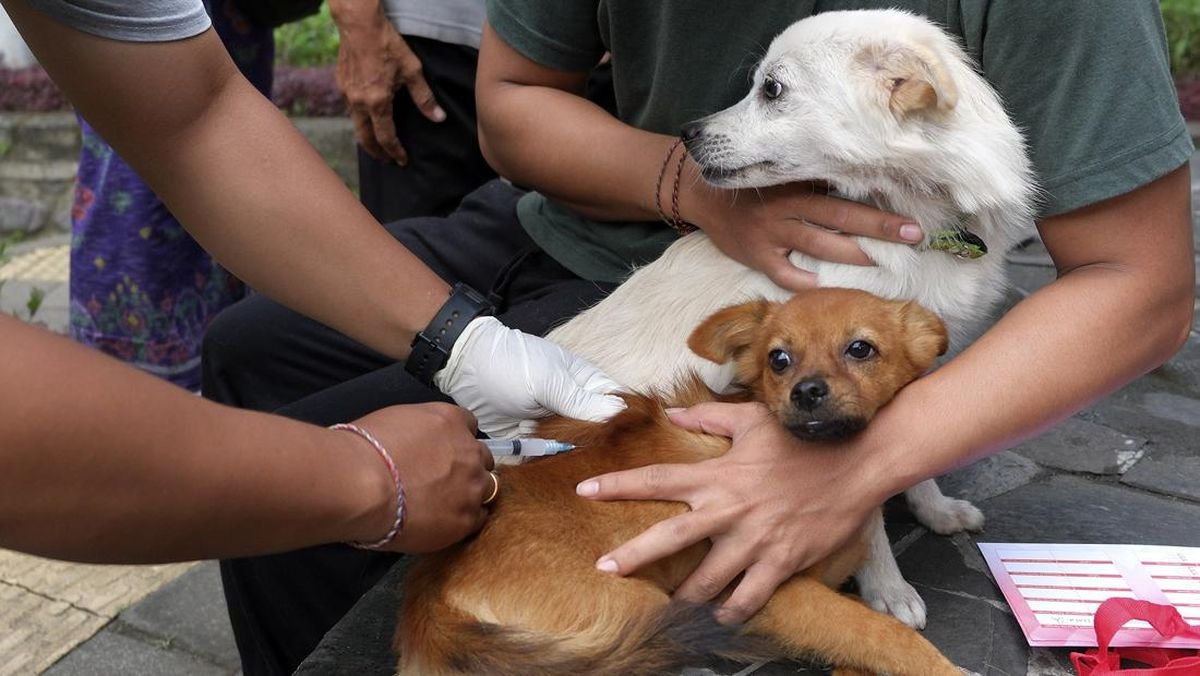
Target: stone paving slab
[
  {"x": 48, "y": 607},
  {"x": 1077, "y": 445},
  {"x": 189, "y": 612},
  {"x": 111, "y": 653},
  {"x": 36, "y": 630}
]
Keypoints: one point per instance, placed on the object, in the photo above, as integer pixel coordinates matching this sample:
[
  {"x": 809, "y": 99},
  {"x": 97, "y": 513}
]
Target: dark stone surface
[
  {"x": 110, "y": 653},
  {"x": 1077, "y": 445},
  {"x": 189, "y": 613},
  {"x": 1075, "y": 509},
  {"x": 989, "y": 477},
  {"x": 1169, "y": 474}
]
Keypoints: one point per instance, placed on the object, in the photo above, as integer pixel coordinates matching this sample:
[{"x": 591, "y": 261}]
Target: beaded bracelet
[{"x": 401, "y": 510}]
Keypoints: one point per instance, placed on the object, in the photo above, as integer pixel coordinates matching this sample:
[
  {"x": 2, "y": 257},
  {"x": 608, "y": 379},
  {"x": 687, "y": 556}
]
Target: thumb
[
  {"x": 726, "y": 420},
  {"x": 573, "y": 401}
]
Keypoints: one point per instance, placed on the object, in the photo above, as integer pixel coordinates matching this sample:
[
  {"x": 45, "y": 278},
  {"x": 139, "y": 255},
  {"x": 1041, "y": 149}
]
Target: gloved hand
[{"x": 505, "y": 376}]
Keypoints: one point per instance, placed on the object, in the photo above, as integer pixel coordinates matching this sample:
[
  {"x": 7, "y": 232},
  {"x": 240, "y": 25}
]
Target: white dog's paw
[
  {"x": 896, "y": 598},
  {"x": 967, "y": 672},
  {"x": 949, "y": 516}
]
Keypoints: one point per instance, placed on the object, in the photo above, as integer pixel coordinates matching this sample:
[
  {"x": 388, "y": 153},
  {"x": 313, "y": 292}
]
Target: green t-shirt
[{"x": 1086, "y": 80}]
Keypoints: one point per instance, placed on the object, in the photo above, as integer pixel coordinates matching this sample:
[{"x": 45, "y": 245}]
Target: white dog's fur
[{"x": 887, "y": 109}]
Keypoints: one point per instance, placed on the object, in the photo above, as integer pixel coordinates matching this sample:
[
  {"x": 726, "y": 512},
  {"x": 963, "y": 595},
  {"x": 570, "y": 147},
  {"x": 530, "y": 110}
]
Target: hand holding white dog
[
  {"x": 505, "y": 376},
  {"x": 759, "y": 227},
  {"x": 771, "y": 507}
]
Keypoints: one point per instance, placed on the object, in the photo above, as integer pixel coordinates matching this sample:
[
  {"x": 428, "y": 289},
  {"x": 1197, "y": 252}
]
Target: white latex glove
[{"x": 505, "y": 376}]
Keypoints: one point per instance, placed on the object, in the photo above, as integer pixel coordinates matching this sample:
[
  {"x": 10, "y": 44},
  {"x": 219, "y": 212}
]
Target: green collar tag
[{"x": 959, "y": 242}]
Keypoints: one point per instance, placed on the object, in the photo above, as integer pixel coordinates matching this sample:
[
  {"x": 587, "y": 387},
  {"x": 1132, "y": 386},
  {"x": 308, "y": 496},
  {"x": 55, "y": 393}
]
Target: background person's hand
[
  {"x": 505, "y": 376},
  {"x": 772, "y": 506},
  {"x": 443, "y": 467},
  {"x": 373, "y": 62},
  {"x": 760, "y": 227}
]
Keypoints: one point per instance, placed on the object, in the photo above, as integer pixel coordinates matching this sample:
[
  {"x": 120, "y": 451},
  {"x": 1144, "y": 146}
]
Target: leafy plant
[
  {"x": 34, "y": 303},
  {"x": 311, "y": 41},
  {"x": 1182, "y": 20}
]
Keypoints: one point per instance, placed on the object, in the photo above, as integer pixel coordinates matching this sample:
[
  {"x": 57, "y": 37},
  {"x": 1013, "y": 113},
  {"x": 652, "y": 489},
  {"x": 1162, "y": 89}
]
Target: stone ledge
[{"x": 39, "y": 153}]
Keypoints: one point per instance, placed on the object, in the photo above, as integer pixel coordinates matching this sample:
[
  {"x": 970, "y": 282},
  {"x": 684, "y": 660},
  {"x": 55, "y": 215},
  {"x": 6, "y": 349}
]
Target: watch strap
[{"x": 431, "y": 347}]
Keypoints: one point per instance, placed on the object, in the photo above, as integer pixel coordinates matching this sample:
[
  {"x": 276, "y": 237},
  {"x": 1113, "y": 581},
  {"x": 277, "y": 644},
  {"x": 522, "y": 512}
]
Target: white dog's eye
[
  {"x": 860, "y": 350},
  {"x": 771, "y": 88},
  {"x": 779, "y": 360}
]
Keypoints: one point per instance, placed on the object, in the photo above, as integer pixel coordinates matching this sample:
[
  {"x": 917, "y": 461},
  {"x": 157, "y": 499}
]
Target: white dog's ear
[{"x": 913, "y": 76}]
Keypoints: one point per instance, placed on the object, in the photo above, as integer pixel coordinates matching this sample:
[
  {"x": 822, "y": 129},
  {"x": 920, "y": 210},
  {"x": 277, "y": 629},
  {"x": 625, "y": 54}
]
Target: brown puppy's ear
[
  {"x": 729, "y": 331},
  {"x": 914, "y": 77},
  {"x": 925, "y": 334}
]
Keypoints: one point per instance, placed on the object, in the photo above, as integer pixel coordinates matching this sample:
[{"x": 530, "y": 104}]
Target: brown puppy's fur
[{"x": 523, "y": 597}]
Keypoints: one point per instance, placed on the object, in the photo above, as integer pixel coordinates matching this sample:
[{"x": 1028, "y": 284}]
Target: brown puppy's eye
[
  {"x": 771, "y": 88},
  {"x": 779, "y": 360},
  {"x": 860, "y": 350}
]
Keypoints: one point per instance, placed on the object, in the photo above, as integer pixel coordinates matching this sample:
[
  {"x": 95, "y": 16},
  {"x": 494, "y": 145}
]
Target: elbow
[{"x": 1176, "y": 314}]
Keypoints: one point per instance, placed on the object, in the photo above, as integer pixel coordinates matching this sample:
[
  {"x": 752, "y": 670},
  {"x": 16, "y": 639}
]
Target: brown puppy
[{"x": 523, "y": 597}]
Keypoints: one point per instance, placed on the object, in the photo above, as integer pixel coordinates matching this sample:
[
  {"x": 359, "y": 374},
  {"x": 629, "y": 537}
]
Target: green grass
[
  {"x": 1182, "y": 18},
  {"x": 311, "y": 41}
]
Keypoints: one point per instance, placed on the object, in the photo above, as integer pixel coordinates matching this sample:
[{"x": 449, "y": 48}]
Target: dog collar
[{"x": 958, "y": 241}]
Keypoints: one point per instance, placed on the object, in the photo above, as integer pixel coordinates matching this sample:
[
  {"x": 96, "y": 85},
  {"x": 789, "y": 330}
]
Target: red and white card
[{"x": 1054, "y": 589}]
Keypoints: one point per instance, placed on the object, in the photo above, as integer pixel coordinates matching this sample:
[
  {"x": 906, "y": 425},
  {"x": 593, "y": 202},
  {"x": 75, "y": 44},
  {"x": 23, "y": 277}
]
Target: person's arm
[
  {"x": 251, "y": 190},
  {"x": 1121, "y": 306},
  {"x": 240, "y": 177},
  {"x": 608, "y": 170},
  {"x": 102, "y": 463},
  {"x": 373, "y": 62}
]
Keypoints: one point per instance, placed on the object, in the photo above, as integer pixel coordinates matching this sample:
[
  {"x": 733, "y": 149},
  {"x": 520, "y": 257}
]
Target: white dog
[{"x": 887, "y": 109}]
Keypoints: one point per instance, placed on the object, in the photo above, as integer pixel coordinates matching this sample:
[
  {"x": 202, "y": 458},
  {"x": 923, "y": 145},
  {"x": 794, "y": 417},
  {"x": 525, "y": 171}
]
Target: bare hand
[
  {"x": 771, "y": 506},
  {"x": 373, "y": 62},
  {"x": 443, "y": 467},
  {"x": 760, "y": 227}
]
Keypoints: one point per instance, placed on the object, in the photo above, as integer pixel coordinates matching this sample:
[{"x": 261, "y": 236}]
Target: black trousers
[
  {"x": 444, "y": 161},
  {"x": 262, "y": 356}
]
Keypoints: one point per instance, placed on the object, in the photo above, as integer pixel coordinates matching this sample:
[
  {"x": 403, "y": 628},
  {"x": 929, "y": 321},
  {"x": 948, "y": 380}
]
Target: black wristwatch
[{"x": 431, "y": 347}]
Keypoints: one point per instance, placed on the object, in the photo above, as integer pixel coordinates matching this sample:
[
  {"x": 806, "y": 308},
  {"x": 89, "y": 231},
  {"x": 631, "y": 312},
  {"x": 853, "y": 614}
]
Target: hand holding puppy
[{"x": 772, "y": 506}]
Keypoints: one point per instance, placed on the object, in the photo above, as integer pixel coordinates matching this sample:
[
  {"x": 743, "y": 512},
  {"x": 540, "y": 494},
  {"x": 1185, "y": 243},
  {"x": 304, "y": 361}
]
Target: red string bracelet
[
  {"x": 401, "y": 511},
  {"x": 673, "y": 219}
]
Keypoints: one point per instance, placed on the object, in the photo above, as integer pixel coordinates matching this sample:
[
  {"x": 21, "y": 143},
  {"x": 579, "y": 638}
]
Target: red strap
[{"x": 1166, "y": 620}]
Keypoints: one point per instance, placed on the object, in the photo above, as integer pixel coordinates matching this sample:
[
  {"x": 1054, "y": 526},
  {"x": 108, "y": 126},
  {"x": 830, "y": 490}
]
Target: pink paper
[{"x": 1054, "y": 589}]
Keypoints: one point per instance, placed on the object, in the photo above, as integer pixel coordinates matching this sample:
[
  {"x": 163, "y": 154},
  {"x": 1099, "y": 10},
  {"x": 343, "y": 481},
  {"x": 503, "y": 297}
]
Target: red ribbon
[{"x": 1166, "y": 620}]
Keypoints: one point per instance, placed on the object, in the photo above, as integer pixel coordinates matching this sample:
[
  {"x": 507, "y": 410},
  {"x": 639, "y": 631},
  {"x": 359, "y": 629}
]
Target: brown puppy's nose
[{"x": 808, "y": 394}]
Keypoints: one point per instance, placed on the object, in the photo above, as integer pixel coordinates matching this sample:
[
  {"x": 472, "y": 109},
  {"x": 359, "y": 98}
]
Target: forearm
[
  {"x": 241, "y": 179},
  {"x": 293, "y": 231},
  {"x": 536, "y": 129},
  {"x": 1100, "y": 325},
  {"x": 99, "y": 462}
]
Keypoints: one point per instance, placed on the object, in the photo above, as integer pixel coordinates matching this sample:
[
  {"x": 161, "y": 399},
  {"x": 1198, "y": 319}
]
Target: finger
[
  {"x": 424, "y": 99},
  {"x": 585, "y": 394},
  {"x": 817, "y": 242},
  {"x": 751, "y": 593},
  {"x": 385, "y": 132},
  {"x": 721, "y": 419},
  {"x": 365, "y": 135},
  {"x": 652, "y": 482},
  {"x": 713, "y": 575},
  {"x": 481, "y": 518},
  {"x": 486, "y": 459},
  {"x": 860, "y": 219},
  {"x": 788, "y": 276},
  {"x": 660, "y": 540}
]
